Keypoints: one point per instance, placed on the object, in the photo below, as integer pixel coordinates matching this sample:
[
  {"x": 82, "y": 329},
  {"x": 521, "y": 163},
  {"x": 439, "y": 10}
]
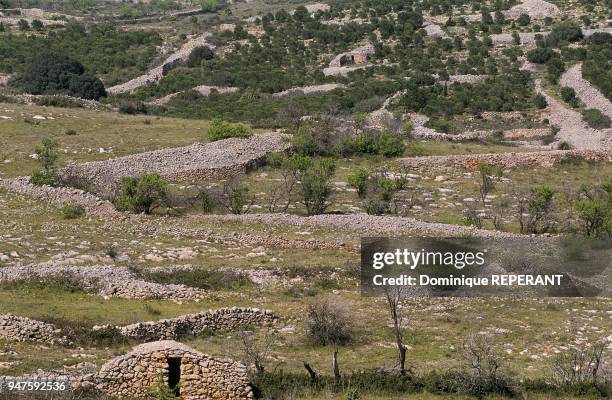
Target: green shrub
[
  {"x": 142, "y": 194},
  {"x": 596, "y": 119},
  {"x": 220, "y": 129},
  {"x": 315, "y": 186},
  {"x": 384, "y": 143},
  {"x": 440, "y": 125},
  {"x": 42, "y": 178},
  {"x": 359, "y": 180},
  {"x": 523, "y": 19},
  {"x": 540, "y": 101},
  {"x": 541, "y": 55},
  {"x": 568, "y": 94},
  {"x": 132, "y": 107},
  {"x": 47, "y": 154},
  {"x": 72, "y": 211}
]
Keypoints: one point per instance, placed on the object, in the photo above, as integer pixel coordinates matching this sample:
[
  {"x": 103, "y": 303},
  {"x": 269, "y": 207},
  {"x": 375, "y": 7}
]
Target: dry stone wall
[
  {"x": 94, "y": 206},
  {"x": 105, "y": 280},
  {"x": 217, "y": 160},
  {"x": 225, "y": 319},
  {"x": 201, "y": 376},
  {"x": 22, "y": 329},
  {"x": 157, "y": 73},
  {"x": 505, "y": 160}
]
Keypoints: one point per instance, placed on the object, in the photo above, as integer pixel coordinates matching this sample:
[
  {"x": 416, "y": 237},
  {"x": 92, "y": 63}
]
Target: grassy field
[{"x": 83, "y": 133}]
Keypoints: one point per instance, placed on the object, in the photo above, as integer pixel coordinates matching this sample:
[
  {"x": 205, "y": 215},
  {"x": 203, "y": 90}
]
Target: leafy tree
[
  {"x": 37, "y": 25},
  {"x": 86, "y": 86},
  {"x": 142, "y": 194},
  {"x": 540, "y": 55},
  {"x": 315, "y": 186},
  {"x": 523, "y": 20},
  {"x": 564, "y": 31},
  {"x": 538, "y": 205},
  {"x": 55, "y": 73},
  {"x": 199, "y": 54}
]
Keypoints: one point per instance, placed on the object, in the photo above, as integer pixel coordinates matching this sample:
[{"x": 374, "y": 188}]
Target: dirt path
[{"x": 586, "y": 92}]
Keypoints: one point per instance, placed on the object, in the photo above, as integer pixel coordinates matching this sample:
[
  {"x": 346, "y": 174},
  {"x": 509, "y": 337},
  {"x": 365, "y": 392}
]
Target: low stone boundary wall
[
  {"x": 105, "y": 280},
  {"x": 506, "y": 160},
  {"x": 94, "y": 206},
  {"x": 217, "y": 160},
  {"x": 224, "y": 319},
  {"x": 22, "y": 329}
]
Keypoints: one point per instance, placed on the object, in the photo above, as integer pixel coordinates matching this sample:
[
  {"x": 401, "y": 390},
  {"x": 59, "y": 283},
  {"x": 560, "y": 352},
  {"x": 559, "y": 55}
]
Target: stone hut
[
  {"x": 358, "y": 56},
  {"x": 191, "y": 374}
]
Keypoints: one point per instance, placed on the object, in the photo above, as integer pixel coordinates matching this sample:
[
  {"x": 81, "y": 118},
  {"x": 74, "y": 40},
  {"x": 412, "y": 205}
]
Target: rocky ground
[{"x": 586, "y": 92}]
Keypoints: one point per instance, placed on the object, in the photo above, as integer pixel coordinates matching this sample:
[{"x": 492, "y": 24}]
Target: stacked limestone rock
[
  {"x": 105, "y": 280},
  {"x": 506, "y": 160},
  {"x": 157, "y": 73},
  {"x": 218, "y": 160},
  {"x": 225, "y": 319},
  {"x": 93, "y": 205},
  {"x": 201, "y": 376},
  {"x": 22, "y": 329}
]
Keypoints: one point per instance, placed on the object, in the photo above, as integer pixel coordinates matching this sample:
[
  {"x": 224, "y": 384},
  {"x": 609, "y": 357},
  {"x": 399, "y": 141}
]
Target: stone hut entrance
[
  {"x": 199, "y": 376},
  {"x": 174, "y": 374}
]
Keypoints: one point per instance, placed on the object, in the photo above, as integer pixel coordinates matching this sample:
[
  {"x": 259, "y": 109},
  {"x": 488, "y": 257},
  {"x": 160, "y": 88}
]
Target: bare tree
[
  {"x": 395, "y": 297},
  {"x": 256, "y": 349},
  {"x": 580, "y": 365}
]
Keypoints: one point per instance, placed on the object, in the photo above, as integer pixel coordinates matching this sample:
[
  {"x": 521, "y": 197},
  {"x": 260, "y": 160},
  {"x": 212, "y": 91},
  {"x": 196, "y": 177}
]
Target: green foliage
[
  {"x": 540, "y": 101},
  {"x": 220, "y": 129},
  {"x": 142, "y": 194},
  {"x": 485, "y": 183},
  {"x": 523, "y": 20},
  {"x": 47, "y": 154},
  {"x": 199, "y": 54},
  {"x": 72, "y": 211},
  {"x": 237, "y": 199},
  {"x": 596, "y": 119},
  {"x": 568, "y": 94},
  {"x": 555, "y": 67},
  {"x": 596, "y": 217},
  {"x": 505, "y": 92},
  {"x": 55, "y": 73},
  {"x": 359, "y": 181},
  {"x": 109, "y": 52},
  {"x": 161, "y": 391},
  {"x": 316, "y": 187},
  {"x": 541, "y": 55},
  {"x": 384, "y": 143},
  {"x": 597, "y": 68},
  {"x": 564, "y": 31}
]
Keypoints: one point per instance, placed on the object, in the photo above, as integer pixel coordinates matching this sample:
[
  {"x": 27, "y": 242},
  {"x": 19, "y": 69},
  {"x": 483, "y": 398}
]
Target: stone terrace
[{"x": 217, "y": 160}]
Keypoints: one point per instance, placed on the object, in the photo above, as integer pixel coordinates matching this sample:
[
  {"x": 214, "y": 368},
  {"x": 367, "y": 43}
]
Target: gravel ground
[
  {"x": 573, "y": 129},
  {"x": 365, "y": 225},
  {"x": 586, "y": 92}
]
